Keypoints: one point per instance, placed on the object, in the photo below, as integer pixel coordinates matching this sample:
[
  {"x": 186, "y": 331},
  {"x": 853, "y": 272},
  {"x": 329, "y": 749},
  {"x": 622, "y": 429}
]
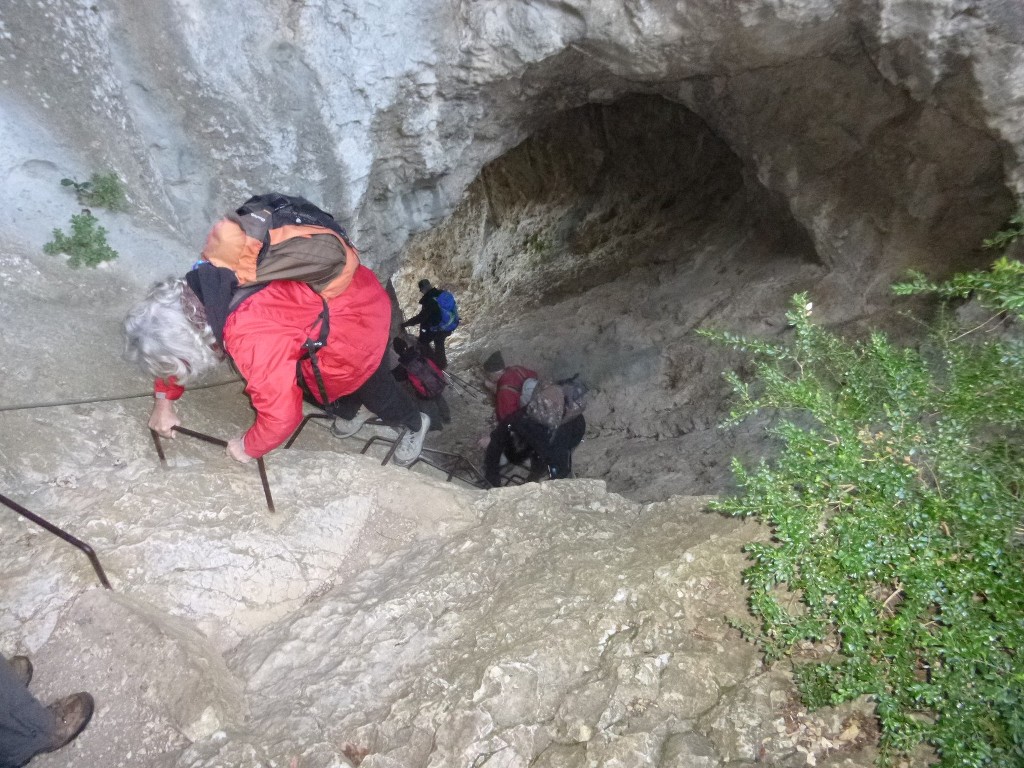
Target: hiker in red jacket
[
  {"x": 519, "y": 437},
  {"x": 172, "y": 335}
]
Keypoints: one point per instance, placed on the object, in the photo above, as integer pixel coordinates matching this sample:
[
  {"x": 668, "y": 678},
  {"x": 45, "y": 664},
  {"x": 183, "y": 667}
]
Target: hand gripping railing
[
  {"x": 61, "y": 533},
  {"x": 215, "y": 441}
]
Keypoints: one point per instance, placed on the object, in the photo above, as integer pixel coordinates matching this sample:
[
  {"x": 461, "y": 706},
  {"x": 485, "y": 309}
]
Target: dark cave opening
[{"x": 606, "y": 188}]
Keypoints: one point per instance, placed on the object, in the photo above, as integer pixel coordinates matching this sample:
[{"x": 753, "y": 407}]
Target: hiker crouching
[
  {"x": 519, "y": 435},
  {"x": 286, "y": 339}
]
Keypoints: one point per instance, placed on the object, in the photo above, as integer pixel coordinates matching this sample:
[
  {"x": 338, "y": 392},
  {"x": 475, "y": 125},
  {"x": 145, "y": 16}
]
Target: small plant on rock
[
  {"x": 894, "y": 570},
  {"x": 100, "y": 191},
  {"x": 87, "y": 243}
]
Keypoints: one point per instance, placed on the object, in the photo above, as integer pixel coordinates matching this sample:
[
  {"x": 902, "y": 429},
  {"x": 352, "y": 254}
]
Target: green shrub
[
  {"x": 100, "y": 191},
  {"x": 86, "y": 245},
  {"x": 893, "y": 570}
]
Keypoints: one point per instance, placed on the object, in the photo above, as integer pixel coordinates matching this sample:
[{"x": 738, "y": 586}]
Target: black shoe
[
  {"x": 22, "y": 669},
  {"x": 72, "y": 714}
]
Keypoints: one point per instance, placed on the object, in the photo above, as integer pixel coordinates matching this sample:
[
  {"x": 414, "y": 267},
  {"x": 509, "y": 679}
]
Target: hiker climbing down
[
  {"x": 426, "y": 380},
  {"x": 536, "y": 420},
  {"x": 280, "y": 291},
  {"x": 438, "y": 318}
]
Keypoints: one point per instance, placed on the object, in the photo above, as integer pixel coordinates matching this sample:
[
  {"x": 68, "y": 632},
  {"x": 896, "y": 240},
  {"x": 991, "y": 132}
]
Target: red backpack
[{"x": 425, "y": 376}]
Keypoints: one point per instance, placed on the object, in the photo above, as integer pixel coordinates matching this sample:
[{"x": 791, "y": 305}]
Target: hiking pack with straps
[
  {"x": 552, "y": 404},
  {"x": 282, "y": 231},
  {"x": 282, "y": 238},
  {"x": 449, "y": 312},
  {"x": 425, "y": 376}
]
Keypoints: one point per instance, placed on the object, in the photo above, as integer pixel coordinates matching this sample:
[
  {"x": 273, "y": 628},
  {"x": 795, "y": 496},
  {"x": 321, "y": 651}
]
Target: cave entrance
[
  {"x": 597, "y": 246},
  {"x": 599, "y": 191}
]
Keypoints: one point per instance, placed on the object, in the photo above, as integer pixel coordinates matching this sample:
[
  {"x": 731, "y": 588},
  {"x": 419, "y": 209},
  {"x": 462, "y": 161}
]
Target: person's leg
[
  {"x": 501, "y": 440},
  {"x": 26, "y": 726},
  {"x": 558, "y": 453},
  {"x": 440, "y": 356},
  {"x": 432, "y": 345},
  {"x": 382, "y": 395},
  {"x": 430, "y": 408},
  {"x": 443, "y": 410}
]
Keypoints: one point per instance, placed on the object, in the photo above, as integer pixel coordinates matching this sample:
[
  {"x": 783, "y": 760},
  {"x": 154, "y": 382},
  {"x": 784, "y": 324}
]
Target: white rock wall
[{"x": 385, "y": 113}]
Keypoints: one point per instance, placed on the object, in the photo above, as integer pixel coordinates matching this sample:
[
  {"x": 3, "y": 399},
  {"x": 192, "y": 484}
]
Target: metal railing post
[
  {"x": 61, "y": 533},
  {"x": 260, "y": 464}
]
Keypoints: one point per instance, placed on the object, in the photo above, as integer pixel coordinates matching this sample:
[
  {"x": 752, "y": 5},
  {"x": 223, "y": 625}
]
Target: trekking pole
[
  {"x": 260, "y": 464},
  {"x": 458, "y": 382},
  {"x": 61, "y": 533}
]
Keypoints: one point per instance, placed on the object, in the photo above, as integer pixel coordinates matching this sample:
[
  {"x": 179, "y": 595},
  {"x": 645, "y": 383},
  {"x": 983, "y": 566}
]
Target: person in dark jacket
[{"x": 432, "y": 337}]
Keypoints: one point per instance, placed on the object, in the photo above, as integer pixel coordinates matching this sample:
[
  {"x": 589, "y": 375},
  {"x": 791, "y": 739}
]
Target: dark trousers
[
  {"x": 26, "y": 726},
  {"x": 382, "y": 395},
  {"x": 521, "y": 438},
  {"x": 433, "y": 346},
  {"x": 436, "y": 408}
]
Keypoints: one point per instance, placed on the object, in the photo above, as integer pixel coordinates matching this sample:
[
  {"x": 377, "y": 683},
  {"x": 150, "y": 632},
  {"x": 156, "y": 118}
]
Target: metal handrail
[
  {"x": 451, "y": 472},
  {"x": 302, "y": 425},
  {"x": 61, "y": 533},
  {"x": 475, "y": 477},
  {"x": 261, "y": 465}
]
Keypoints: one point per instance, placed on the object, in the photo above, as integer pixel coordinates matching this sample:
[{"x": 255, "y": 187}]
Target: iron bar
[
  {"x": 260, "y": 464},
  {"x": 159, "y": 448},
  {"x": 305, "y": 421},
  {"x": 200, "y": 436},
  {"x": 61, "y": 533},
  {"x": 266, "y": 483}
]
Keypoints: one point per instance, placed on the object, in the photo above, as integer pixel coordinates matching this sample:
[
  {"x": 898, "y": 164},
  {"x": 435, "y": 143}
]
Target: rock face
[
  {"x": 646, "y": 168},
  {"x": 597, "y": 180},
  {"x": 888, "y": 129}
]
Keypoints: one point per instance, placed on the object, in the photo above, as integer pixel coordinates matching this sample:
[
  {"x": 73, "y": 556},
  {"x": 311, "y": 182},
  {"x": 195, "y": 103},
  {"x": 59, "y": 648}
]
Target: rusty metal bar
[
  {"x": 159, "y": 448},
  {"x": 260, "y": 464},
  {"x": 266, "y": 483},
  {"x": 201, "y": 436},
  {"x": 393, "y": 442},
  {"x": 61, "y": 533},
  {"x": 305, "y": 421}
]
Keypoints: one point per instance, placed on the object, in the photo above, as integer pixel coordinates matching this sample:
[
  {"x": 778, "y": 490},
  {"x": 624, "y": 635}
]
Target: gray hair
[{"x": 165, "y": 336}]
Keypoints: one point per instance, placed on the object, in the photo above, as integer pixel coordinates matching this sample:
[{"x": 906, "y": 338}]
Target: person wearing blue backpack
[{"x": 437, "y": 318}]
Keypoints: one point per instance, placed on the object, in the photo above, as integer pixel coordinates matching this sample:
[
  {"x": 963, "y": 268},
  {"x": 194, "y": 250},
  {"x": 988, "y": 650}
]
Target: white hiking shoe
[
  {"x": 348, "y": 427},
  {"x": 411, "y": 444}
]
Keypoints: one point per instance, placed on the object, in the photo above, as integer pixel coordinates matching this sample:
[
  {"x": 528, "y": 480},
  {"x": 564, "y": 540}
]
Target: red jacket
[
  {"x": 264, "y": 337},
  {"x": 510, "y": 387}
]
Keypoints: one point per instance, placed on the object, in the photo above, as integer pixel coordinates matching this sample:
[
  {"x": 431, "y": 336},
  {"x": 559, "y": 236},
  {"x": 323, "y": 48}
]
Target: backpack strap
[{"x": 313, "y": 345}]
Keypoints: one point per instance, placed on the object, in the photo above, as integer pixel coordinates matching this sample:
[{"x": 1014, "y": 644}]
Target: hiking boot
[
  {"x": 72, "y": 714},
  {"x": 411, "y": 444},
  {"x": 22, "y": 669},
  {"x": 348, "y": 427}
]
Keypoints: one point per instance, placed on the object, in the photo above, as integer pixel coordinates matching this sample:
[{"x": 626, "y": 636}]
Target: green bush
[
  {"x": 100, "y": 191},
  {"x": 894, "y": 571},
  {"x": 86, "y": 245}
]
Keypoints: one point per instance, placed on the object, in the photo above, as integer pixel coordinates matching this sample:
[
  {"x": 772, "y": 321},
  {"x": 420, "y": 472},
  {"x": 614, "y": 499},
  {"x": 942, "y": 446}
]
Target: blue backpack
[{"x": 449, "y": 312}]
